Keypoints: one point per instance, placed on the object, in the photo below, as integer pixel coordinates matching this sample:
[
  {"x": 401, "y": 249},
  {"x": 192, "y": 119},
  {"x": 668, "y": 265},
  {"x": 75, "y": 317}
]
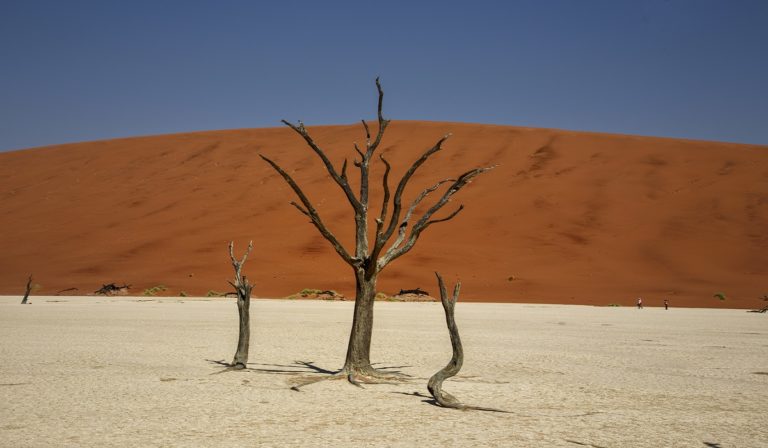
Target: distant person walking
[
  {"x": 666, "y": 304},
  {"x": 639, "y": 303}
]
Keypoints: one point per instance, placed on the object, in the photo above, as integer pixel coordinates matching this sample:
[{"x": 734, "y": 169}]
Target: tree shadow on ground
[
  {"x": 297, "y": 368},
  {"x": 712, "y": 445},
  {"x": 305, "y": 373},
  {"x": 394, "y": 370},
  {"x": 576, "y": 442},
  {"x": 429, "y": 399},
  {"x": 433, "y": 402},
  {"x": 307, "y": 368}
]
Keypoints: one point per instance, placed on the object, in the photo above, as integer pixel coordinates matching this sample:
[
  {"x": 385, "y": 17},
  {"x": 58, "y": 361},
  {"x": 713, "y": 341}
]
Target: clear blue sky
[{"x": 87, "y": 70}]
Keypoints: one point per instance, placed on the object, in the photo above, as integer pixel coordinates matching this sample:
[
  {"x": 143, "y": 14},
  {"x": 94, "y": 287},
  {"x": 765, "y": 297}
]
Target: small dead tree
[
  {"x": 243, "y": 289},
  {"x": 371, "y": 253},
  {"x": 28, "y": 290},
  {"x": 435, "y": 384},
  {"x": 113, "y": 289},
  {"x": 417, "y": 291},
  {"x": 763, "y": 309}
]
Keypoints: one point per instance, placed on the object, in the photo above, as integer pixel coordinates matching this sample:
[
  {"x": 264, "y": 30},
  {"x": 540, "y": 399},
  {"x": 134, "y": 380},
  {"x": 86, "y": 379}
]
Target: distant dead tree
[
  {"x": 417, "y": 291},
  {"x": 763, "y": 309},
  {"x": 369, "y": 259},
  {"x": 435, "y": 384},
  {"x": 243, "y": 289},
  {"x": 112, "y": 289},
  {"x": 28, "y": 290}
]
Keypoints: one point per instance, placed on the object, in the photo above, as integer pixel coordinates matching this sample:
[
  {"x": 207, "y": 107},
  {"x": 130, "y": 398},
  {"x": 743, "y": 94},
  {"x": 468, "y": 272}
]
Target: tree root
[
  {"x": 356, "y": 378},
  {"x": 336, "y": 376},
  {"x": 228, "y": 367}
]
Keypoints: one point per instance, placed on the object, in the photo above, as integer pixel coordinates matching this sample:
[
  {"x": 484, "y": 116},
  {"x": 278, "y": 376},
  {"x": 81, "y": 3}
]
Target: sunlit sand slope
[{"x": 567, "y": 217}]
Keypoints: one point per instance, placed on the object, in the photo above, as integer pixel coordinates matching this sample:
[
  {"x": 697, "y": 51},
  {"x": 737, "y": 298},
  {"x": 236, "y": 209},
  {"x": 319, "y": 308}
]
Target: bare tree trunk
[
  {"x": 29, "y": 289},
  {"x": 358, "y": 359},
  {"x": 763, "y": 309},
  {"x": 243, "y": 288},
  {"x": 435, "y": 383},
  {"x": 240, "y": 360}
]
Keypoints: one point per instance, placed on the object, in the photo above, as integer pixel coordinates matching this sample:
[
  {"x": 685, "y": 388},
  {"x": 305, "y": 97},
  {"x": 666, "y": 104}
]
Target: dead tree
[
  {"x": 369, "y": 258},
  {"x": 112, "y": 289},
  {"x": 29, "y": 289},
  {"x": 435, "y": 384},
  {"x": 243, "y": 289},
  {"x": 763, "y": 309},
  {"x": 417, "y": 291}
]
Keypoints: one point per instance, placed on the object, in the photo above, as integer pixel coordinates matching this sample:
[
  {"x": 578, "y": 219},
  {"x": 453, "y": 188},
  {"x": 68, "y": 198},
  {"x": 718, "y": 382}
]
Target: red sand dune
[{"x": 567, "y": 217}]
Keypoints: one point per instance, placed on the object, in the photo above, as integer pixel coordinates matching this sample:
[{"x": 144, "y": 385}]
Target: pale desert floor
[{"x": 88, "y": 371}]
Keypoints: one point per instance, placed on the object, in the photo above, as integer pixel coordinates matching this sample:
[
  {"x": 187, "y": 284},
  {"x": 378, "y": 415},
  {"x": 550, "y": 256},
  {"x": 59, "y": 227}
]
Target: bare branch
[
  {"x": 341, "y": 181},
  {"x": 460, "y": 183},
  {"x": 379, "y": 136},
  {"x": 447, "y": 218},
  {"x": 382, "y": 122},
  {"x": 385, "y": 199},
  {"x": 238, "y": 265},
  {"x": 421, "y": 197},
  {"x": 344, "y": 170},
  {"x": 382, "y": 239},
  {"x": 232, "y": 284},
  {"x": 357, "y": 148},
  {"x": 312, "y": 213},
  {"x": 456, "y": 291},
  {"x": 403, "y": 227},
  {"x": 300, "y": 208},
  {"x": 381, "y": 99},
  {"x": 367, "y": 132},
  {"x": 425, "y": 221},
  {"x": 247, "y": 252}
]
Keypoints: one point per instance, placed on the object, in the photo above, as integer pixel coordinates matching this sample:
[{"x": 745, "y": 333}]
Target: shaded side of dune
[{"x": 566, "y": 218}]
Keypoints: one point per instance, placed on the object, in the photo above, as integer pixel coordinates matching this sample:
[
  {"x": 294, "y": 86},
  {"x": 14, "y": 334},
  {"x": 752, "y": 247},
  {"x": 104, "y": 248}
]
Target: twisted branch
[{"x": 435, "y": 384}]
